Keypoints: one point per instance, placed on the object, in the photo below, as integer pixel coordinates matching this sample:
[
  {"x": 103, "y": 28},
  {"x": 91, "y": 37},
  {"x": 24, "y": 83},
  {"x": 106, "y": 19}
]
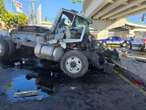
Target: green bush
[{"x": 11, "y": 19}]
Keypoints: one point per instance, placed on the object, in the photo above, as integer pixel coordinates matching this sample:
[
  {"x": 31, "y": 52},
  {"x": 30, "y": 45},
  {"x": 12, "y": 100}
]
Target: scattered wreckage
[{"x": 68, "y": 43}]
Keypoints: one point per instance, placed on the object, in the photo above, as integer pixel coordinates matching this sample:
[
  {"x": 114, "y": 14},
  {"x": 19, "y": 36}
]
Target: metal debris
[
  {"x": 27, "y": 93},
  {"x": 17, "y": 64}
]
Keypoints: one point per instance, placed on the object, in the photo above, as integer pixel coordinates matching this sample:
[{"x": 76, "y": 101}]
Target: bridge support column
[{"x": 103, "y": 27}]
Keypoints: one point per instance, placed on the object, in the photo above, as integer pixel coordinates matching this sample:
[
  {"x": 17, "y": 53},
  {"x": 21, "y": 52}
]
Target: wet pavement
[{"x": 95, "y": 91}]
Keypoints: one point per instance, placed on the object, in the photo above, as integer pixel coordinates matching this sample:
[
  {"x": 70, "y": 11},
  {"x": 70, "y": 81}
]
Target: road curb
[
  {"x": 140, "y": 59},
  {"x": 135, "y": 79}
]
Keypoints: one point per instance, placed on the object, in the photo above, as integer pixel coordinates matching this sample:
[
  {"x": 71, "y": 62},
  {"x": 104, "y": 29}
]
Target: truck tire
[
  {"x": 12, "y": 48},
  {"x": 7, "y": 48},
  {"x": 74, "y": 64},
  {"x": 4, "y": 51}
]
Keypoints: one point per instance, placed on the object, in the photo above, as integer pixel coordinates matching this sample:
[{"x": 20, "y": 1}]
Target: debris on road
[
  {"x": 27, "y": 93},
  {"x": 17, "y": 63},
  {"x": 72, "y": 88},
  {"x": 30, "y": 76}
]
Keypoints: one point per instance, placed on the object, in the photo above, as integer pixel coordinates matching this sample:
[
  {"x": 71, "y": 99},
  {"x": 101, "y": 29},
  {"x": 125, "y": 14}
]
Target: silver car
[{"x": 137, "y": 44}]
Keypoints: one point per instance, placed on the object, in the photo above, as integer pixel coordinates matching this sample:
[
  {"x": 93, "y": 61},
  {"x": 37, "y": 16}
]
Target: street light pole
[{"x": 32, "y": 16}]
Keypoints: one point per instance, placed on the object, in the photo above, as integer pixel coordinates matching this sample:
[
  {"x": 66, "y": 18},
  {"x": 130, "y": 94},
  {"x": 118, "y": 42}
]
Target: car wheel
[
  {"x": 104, "y": 44},
  {"x": 125, "y": 44},
  {"x": 74, "y": 64},
  {"x": 142, "y": 49},
  {"x": 130, "y": 45}
]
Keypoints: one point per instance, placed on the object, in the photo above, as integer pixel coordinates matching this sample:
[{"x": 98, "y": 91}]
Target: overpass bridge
[
  {"x": 108, "y": 14},
  {"x": 113, "y": 9}
]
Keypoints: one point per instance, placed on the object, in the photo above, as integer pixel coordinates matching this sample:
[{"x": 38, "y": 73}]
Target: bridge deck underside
[{"x": 113, "y": 9}]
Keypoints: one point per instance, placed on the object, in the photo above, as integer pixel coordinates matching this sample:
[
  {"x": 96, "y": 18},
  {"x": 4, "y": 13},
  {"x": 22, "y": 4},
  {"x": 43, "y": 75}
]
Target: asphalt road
[
  {"x": 137, "y": 53},
  {"x": 95, "y": 91}
]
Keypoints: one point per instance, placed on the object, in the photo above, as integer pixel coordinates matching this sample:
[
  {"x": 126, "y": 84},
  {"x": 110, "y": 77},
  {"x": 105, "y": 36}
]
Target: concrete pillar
[{"x": 103, "y": 27}]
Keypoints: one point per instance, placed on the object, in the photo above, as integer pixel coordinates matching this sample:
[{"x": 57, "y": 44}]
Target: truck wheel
[
  {"x": 74, "y": 64},
  {"x": 7, "y": 48},
  {"x": 12, "y": 48},
  {"x": 4, "y": 51}
]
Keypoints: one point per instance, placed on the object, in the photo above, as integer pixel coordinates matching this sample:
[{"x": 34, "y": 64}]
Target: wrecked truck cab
[
  {"x": 68, "y": 43},
  {"x": 33, "y": 34}
]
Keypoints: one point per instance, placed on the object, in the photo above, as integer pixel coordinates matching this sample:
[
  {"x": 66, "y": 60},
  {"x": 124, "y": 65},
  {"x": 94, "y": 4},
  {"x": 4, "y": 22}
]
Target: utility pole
[
  {"x": 39, "y": 14},
  {"x": 32, "y": 15}
]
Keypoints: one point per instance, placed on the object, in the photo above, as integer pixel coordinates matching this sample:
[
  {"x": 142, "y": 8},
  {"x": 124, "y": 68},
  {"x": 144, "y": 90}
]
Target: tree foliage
[
  {"x": 11, "y": 19},
  {"x": 22, "y": 19},
  {"x": 2, "y": 8},
  {"x": 8, "y": 18}
]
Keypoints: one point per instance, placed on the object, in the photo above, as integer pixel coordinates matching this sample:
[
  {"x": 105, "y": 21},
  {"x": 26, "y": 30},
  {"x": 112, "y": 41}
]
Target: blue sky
[
  {"x": 137, "y": 19},
  {"x": 50, "y": 8}
]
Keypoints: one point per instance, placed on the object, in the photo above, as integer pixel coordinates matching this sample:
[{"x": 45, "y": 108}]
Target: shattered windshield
[{"x": 81, "y": 22}]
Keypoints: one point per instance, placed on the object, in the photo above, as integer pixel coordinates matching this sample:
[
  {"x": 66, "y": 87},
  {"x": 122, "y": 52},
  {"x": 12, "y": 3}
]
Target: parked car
[
  {"x": 137, "y": 44},
  {"x": 115, "y": 40}
]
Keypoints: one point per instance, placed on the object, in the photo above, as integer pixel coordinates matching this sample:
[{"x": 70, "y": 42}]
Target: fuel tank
[{"x": 48, "y": 52}]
